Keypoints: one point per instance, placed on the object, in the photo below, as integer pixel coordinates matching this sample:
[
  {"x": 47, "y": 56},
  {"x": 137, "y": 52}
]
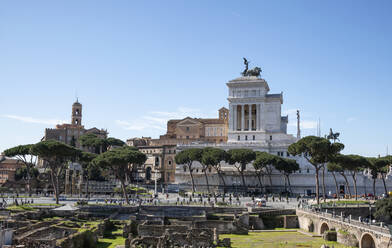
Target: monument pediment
[{"x": 189, "y": 122}]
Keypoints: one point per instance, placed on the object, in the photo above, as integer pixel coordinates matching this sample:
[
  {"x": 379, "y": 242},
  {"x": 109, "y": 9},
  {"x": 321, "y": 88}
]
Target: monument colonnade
[{"x": 246, "y": 117}]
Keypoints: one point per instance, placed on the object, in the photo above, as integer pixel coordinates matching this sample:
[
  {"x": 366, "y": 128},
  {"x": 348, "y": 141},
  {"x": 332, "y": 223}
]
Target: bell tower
[{"x": 77, "y": 113}]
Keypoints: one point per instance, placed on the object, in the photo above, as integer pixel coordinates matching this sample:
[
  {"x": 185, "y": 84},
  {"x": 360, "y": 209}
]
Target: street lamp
[
  {"x": 370, "y": 213},
  {"x": 155, "y": 169}
]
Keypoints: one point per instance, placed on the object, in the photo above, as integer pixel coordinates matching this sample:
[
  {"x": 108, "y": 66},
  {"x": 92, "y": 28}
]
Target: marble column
[
  {"x": 231, "y": 115},
  {"x": 242, "y": 117},
  {"x": 235, "y": 117},
  {"x": 250, "y": 117},
  {"x": 258, "y": 117}
]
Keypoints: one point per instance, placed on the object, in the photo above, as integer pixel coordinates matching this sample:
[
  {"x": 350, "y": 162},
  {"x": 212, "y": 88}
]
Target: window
[
  {"x": 170, "y": 162},
  {"x": 288, "y": 154},
  {"x": 238, "y": 138},
  {"x": 184, "y": 168},
  {"x": 270, "y": 137},
  {"x": 246, "y": 137},
  {"x": 187, "y": 137},
  {"x": 187, "y": 128},
  {"x": 254, "y": 137},
  {"x": 209, "y": 169},
  {"x": 307, "y": 170}
]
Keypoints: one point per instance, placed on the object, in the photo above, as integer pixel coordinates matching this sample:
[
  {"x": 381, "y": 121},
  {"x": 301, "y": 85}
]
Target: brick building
[
  {"x": 70, "y": 133},
  {"x": 161, "y": 152},
  {"x": 200, "y": 130},
  {"x": 8, "y": 168}
]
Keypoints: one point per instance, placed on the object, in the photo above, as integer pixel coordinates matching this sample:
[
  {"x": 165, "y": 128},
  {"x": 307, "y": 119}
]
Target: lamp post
[
  {"x": 155, "y": 170},
  {"x": 370, "y": 213}
]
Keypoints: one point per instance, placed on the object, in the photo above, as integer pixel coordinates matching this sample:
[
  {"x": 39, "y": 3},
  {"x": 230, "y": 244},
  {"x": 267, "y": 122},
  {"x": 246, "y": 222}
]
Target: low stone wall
[
  {"x": 222, "y": 227},
  {"x": 44, "y": 236},
  {"x": 354, "y": 211},
  {"x": 159, "y": 230},
  {"x": 194, "y": 237},
  {"x": 256, "y": 223},
  {"x": 28, "y": 228},
  {"x": 290, "y": 221},
  {"x": 348, "y": 239},
  {"x": 274, "y": 212},
  {"x": 85, "y": 239}
]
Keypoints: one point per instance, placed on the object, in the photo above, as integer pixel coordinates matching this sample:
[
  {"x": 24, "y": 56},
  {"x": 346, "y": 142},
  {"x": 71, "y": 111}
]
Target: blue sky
[{"x": 135, "y": 64}]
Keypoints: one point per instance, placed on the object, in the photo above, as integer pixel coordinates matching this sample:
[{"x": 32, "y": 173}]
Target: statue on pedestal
[
  {"x": 253, "y": 72},
  {"x": 333, "y": 136}
]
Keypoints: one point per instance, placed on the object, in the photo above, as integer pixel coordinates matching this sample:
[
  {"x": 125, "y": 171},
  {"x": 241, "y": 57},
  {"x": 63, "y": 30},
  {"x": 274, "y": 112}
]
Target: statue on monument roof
[
  {"x": 333, "y": 136},
  {"x": 253, "y": 72}
]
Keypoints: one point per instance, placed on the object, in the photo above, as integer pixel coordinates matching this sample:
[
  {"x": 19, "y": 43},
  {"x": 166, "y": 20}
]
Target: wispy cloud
[
  {"x": 351, "y": 119},
  {"x": 158, "y": 119},
  {"x": 137, "y": 125},
  {"x": 28, "y": 119}
]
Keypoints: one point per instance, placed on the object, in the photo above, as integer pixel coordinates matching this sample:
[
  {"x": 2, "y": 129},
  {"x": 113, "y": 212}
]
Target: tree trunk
[
  {"x": 87, "y": 187},
  {"x": 124, "y": 191},
  {"x": 336, "y": 184},
  {"x": 354, "y": 176},
  {"x": 374, "y": 187},
  {"x": 28, "y": 180},
  {"x": 385, "y": 186},
  {"x": 223, "y": 180},
  {"x": 80, "y": 183},
  {"x": 243, "y": 178},
  {"x": 347, "y": 185},
  {"x": 288, "y": 182},
  {"x": 205, "y": 174},
  {"x": 193, "y": 181},
  {"x": 269, "y": 171},
  {"x": 317, "y": 185},
  {"x": 323, "y": 182},
  {"x": 261, "y": 185},
  {"x": 55, "y": 189}
]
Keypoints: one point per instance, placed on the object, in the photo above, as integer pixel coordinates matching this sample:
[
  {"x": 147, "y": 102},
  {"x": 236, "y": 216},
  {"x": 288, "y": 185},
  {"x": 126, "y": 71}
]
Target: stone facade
[
  {"x": 349, "y": 231},
  {"x": 70, "y": 133},
  {"x": 190, "y": 130},
  {"x": 255, "y": 115},
  {"x": 8, "y": 168},
  {"x": 255, "y": 122}
]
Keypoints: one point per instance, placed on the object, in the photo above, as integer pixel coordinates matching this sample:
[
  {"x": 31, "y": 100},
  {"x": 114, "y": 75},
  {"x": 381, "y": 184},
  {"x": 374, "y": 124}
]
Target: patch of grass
[
  {"x": 112, "y": 239},
  {"x": 29, "y": 207},
  {"x": 43, "y": 204},
  {"x": 20, "y": 208},
  {"x": 277, "y": 239}
]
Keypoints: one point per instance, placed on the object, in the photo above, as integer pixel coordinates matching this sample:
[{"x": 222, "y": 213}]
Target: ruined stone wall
[
  {"x": 159, "y": 230},
  {"x": 290, "y": 221}
]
